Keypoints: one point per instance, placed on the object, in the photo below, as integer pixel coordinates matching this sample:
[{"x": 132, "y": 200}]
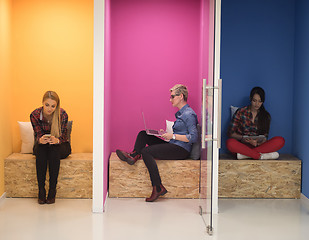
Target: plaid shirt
[
  {"x": 242, "y": 123},
  {"x": 42, "y": 127}
]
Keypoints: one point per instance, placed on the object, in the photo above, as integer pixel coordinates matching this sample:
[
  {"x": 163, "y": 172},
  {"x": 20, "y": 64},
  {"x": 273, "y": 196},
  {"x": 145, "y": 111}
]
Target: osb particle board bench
[
  {"x": 74, "y": 180},
  {"x": 280, "y": 178},
  {"x": 180, "y": 177}
]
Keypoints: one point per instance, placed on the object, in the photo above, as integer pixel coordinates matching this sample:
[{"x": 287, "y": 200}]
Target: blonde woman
[{"x": 49, "y": 123}]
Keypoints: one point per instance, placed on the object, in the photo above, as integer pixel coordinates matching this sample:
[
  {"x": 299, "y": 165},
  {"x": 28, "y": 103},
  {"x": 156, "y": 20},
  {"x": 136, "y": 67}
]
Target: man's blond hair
[{"x": 180, "y": 89}]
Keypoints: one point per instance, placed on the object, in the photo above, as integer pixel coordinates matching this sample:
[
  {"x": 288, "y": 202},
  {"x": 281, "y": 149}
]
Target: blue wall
[
  {"x": 301, "y": 90},
  {"x": 257, "y": 49}
]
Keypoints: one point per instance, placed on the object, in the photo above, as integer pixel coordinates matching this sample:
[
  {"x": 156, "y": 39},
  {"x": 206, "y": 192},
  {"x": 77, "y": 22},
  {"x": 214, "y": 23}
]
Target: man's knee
[
  {"x": 144, "y": 151},
  {"x": 147, "y": 153},
  {"x": 142, "y": 133}
]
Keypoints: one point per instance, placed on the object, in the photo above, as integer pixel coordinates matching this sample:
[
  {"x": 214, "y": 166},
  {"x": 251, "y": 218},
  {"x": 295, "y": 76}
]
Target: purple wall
[{"x": 154, "y": 45}]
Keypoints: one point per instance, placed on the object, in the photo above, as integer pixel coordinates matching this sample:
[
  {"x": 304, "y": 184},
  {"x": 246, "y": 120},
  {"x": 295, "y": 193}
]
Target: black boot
[
  {"x": 42, "y": 195},
  {"x": 51, "y": 196}
]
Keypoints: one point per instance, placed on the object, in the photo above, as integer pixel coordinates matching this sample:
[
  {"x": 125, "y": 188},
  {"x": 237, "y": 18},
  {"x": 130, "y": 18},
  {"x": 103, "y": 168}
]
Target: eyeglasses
[{"x": 172, "y": 96}]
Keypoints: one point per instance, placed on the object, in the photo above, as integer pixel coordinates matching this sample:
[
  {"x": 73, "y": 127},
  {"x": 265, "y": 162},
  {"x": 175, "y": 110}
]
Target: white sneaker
[
  {"x": 272, "y": 155},
  {"x": 241, "y": 156}
]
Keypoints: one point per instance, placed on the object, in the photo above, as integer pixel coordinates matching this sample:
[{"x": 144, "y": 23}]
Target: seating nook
[
  {"x": 74, "y": 181},
  {"x": 249, "y": 178}
]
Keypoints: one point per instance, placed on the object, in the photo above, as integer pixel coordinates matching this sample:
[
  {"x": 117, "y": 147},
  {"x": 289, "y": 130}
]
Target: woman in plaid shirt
[
  {"x": 49, "y": 123},
  {"x": 249, "y": 122}
]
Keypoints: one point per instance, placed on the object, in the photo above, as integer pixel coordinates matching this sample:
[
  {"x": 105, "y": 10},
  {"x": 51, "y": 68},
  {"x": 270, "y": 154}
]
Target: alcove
[{"x": 149, "y": 46}]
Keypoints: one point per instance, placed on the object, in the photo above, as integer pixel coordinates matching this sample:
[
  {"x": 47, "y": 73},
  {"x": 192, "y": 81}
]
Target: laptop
[{"x": 151, "y": 131}]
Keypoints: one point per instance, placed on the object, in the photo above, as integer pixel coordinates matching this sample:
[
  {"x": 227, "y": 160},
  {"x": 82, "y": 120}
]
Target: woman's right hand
[
  {"x": 251, "y": 141},
  {"x": 44, "y": 140}
]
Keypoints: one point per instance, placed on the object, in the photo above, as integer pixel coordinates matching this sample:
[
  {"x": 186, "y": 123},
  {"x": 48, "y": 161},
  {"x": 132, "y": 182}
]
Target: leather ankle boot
[
  {"x": 51, "y": 196},
  {"x": 42, "y": 195},
  {"x": 130, "y": 158},
  {"x": 156, "y": 194}
]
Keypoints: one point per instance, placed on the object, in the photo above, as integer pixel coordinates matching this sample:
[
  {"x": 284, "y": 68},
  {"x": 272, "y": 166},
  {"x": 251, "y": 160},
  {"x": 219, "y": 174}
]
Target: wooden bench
[
  {"x": 180, "y": 177},
  {"x": 74, "y": 181},
  {"x": 250, "y": 178}
]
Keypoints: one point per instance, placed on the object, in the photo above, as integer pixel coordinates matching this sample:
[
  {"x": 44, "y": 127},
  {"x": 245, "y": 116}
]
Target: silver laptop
[{"x": 151, "y": 131}]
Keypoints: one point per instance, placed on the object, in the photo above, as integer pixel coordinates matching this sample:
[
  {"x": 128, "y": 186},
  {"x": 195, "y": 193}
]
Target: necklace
[{"x": 48, "y": 119}]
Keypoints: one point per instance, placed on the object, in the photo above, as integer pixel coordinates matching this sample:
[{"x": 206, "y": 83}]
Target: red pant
[{"x": 272, "y": 145}]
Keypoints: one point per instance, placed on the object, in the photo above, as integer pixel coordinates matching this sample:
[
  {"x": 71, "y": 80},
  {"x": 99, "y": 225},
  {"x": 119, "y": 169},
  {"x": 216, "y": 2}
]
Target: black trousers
[
  {"x": 49, "y": 155},
  {"x": 157, "y": 148}
]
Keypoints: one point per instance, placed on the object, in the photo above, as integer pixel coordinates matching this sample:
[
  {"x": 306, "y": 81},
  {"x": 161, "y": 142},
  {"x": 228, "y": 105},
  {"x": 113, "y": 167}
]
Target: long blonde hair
[{"x": 55, "y": 126}]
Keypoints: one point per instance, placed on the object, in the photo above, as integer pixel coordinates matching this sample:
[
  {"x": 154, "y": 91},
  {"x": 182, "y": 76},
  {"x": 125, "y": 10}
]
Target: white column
[{"x": 98, "y": 107}]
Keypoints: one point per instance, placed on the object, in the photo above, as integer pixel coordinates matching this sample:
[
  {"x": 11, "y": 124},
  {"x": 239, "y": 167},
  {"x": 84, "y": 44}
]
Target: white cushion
[
  {"x": 27, "y": 137},
  {"x": 169, "y": 126},
  {"x": 233, "y": 110}
]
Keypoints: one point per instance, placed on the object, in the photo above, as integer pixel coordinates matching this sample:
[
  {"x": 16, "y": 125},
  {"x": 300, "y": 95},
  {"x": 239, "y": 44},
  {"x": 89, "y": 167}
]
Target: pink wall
[
  {"x": 154, "y": 45},
  {"x": 149, "y": 47}
]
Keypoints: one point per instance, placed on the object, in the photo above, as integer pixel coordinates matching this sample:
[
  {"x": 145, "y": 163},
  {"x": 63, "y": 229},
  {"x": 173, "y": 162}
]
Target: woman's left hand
[
  {"x": 167, "y": 136},
  {"x": 251, "y": 141},
  {"x": 54, "y": 140},
  {"x": 261, "y": 142}
]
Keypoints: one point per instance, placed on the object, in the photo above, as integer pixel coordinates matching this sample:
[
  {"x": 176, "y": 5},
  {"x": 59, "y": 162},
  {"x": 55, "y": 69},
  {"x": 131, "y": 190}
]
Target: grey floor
[{"x": 23, "y": 219}]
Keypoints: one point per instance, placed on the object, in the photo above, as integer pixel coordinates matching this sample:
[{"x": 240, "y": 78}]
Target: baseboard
[
  {"x": 97, "y": 210},
  {"x": 304, "y": 201},
  {"x": 100, "y": 209},
  {"x": 105, "y": 206},
  {"x": 3, "y": 197}
]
